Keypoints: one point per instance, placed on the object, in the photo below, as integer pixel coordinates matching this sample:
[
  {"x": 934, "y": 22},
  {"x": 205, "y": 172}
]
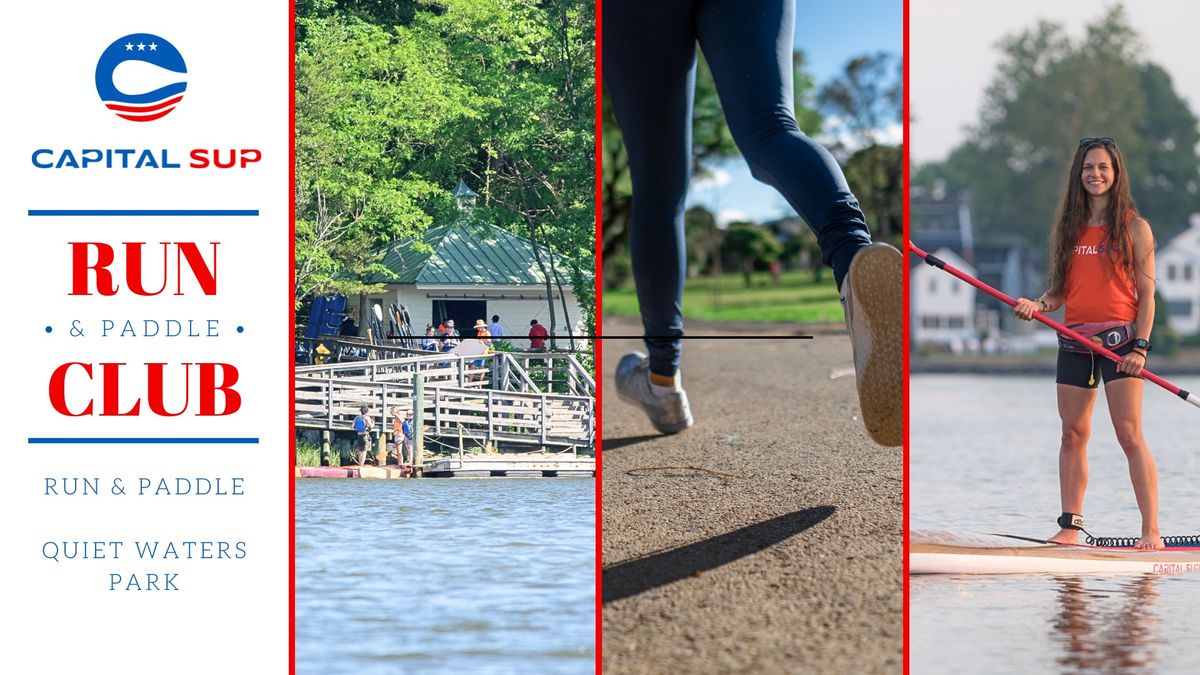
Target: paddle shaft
[{"x": 937, "y": 262}]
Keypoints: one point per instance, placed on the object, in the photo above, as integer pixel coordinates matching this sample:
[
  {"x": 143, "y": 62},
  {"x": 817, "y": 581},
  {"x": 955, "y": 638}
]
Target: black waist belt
[{"x": 1111, "y": 339}]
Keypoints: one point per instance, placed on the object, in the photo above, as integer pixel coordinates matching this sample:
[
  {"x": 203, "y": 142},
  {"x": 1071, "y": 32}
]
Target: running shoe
[
  {"x": 871, "y": 296},
  {"x": 668, "y": 412}
]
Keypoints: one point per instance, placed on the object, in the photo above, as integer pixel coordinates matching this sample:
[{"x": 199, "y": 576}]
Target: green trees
[
  {"x": 1050, "y": 91},
  {"x": 395, "y": 101},
  {"x": 750, "y": 245},
  {"x": 865, "y": 98}
]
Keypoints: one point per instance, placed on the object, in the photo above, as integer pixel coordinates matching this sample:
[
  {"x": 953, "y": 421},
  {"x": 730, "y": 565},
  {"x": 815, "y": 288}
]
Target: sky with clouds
[{"x": 830, "y": 33}]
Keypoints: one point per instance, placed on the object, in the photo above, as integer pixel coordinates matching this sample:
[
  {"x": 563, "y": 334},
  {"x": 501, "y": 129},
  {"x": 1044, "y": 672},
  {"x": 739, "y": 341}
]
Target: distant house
[
  {"x": 1177, "y": 266},
  {"x": 468, "y": 272},
  {"x": 943, "y": 308},
  {"x": 1004, "y": 263}
]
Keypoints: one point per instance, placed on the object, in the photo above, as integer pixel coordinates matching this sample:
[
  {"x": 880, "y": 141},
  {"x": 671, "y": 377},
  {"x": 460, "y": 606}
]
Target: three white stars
[{"x": 141, "y": 46}]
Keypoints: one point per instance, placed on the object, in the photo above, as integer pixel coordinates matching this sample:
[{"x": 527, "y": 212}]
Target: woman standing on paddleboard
[{"x": 1102, "y": 270}]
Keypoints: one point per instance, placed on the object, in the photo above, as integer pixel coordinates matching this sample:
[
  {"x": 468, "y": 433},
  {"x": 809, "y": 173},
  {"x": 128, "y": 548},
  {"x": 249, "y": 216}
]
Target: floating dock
[
  {"x": 499, "y": 465},
  {"x": 524, "y": 465}
]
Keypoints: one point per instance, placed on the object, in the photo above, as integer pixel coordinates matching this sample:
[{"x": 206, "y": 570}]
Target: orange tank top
[{"x": 1097, "y": 289}]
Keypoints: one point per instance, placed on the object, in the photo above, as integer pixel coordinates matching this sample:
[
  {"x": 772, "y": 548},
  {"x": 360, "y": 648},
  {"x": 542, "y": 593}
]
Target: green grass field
[{"x": 795, "y": 300}]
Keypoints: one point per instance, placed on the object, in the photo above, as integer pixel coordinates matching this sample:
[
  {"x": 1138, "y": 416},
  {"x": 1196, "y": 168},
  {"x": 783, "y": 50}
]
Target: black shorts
[{"x": 1086, "y": 370}]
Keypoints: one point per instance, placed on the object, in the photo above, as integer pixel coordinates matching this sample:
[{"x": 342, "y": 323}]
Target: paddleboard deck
[{"x": 933, "y": 558}]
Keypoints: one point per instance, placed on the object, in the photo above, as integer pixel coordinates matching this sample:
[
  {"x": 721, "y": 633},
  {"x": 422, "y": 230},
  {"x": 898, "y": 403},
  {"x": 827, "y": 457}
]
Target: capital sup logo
[{"x": 140, "y": 77}]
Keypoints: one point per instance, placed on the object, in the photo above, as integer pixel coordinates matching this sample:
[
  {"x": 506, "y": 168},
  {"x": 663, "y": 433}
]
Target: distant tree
[
  {"x": 750, "y": 245},
  {"x": 395, "y": 101},
  {"x": 1051, "y": 90},
  {"x": 1166, "y": 340},
  {"x": 876, "y": 174},
  {"x": 703, "y": 240},
  {"x": 865, "y": 97},
  {"x": 803, "y": 251}
]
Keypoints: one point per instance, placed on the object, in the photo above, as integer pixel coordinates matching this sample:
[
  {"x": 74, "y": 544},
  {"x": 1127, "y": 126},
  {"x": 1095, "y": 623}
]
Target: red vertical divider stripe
[
  {"x": 907, "y": 329},
  {"x": 291, "y": 313},
  {"x": 596, "y": 345}
]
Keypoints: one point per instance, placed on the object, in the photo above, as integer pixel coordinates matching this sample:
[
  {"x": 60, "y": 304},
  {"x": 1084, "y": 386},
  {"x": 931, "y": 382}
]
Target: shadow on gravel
[
  {"x": 639, "y": 575},
  {"x": 611, "y": 444}
]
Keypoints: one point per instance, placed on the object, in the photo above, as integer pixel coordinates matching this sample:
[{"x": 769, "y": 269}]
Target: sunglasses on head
[{"x": 1103, "y": 140}]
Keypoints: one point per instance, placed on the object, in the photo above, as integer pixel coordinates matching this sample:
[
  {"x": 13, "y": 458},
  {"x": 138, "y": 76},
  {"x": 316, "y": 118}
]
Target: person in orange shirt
[{"x": 1102, "y": 270}]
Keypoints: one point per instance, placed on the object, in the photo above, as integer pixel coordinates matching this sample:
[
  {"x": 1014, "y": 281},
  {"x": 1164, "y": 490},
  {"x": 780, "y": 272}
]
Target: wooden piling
[{"x": 418, "y": 424}]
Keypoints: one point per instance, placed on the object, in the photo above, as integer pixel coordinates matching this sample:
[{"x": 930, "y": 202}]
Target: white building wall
[
  {"x": 943, "y": 307},
  {"x": 1178, "y": 275}
]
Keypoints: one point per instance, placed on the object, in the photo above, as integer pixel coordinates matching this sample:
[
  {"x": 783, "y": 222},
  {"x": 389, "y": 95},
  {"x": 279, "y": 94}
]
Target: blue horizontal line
[
  {"x": 117, "y": 440},
  {"x": 143, "y": 212}
]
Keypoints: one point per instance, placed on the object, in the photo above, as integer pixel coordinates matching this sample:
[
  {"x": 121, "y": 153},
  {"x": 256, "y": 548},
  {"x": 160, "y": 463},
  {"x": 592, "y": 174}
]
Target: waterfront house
[
  {"x": 1177, "y": 268},
  {"x": 943, "y": 308},
  {"x": 468, "y": 270}
]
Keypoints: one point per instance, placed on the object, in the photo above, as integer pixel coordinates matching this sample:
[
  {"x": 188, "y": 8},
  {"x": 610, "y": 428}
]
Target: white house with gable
[
  {"x": 943, "y": 308},
  {"x": 1177, "y": 266}
]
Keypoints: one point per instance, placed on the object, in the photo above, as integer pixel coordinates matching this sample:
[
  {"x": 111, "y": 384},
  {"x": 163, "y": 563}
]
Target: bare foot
[
  {"x": 1149, "y": 541},
  {"x": 1068, "y": 537}
]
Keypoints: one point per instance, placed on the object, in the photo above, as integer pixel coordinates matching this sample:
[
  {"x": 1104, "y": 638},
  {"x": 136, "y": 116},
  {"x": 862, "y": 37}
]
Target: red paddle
[{"x": 934, "y": 261}]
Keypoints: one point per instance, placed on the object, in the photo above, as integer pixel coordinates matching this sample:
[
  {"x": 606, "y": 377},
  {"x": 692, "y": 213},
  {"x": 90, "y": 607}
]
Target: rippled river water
[
  {"x": 983, "y": 458},
  {"x": 451, "y": 575}
]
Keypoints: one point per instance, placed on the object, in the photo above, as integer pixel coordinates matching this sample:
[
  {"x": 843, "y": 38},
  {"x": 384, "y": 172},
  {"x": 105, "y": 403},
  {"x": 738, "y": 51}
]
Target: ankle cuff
[{"x": 1070, "y": 521}]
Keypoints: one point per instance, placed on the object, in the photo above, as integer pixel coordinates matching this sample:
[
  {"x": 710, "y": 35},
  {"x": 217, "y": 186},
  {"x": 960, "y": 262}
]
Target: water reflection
[{"x": 1107, "y": 629}]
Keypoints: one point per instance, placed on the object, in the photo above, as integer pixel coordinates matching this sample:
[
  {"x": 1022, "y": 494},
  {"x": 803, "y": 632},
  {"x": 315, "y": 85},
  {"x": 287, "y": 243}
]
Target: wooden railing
[
  {"x": 530, "y": 372},
  {"x": 437, "y": 368},
  {"x": 483, "y": 415}
]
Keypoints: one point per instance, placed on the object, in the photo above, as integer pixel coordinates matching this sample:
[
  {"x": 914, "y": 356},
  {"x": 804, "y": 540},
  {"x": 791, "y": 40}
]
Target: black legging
[{"x": 650, "y": 73}]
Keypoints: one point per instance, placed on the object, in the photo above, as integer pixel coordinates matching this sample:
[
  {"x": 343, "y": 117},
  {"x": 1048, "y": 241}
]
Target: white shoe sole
[{"x": 876, "y": 286}]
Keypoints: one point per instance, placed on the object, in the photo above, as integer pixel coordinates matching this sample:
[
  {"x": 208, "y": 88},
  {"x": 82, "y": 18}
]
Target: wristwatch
[{"x": 1141, "y": 343}]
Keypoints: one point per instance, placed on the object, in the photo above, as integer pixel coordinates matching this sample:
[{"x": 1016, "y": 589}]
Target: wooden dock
[
  {"x": 497, "y": 465},
  {"x": 513, "y": 465},
  {"x": 499, "y": 401}
]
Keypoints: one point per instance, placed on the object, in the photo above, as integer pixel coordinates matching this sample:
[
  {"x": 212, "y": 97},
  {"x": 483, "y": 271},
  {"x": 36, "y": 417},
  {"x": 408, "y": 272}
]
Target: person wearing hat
[
  {"x": 482, "y": 331},
  {"x": 485, "y": 336},
  {"x": 449, "y": 336}
]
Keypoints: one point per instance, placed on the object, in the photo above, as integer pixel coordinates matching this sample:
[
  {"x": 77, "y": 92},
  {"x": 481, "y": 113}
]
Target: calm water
[
  {"x": 453, "y": 576},
  {"x": 984, "y": 459}
]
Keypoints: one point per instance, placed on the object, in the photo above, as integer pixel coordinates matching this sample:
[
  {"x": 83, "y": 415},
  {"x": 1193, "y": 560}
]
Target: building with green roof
[{"x": 470, "y": 271}]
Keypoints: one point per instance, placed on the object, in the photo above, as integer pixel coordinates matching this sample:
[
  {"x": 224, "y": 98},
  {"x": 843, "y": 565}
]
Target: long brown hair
[{"x": 1074, "y": 211}]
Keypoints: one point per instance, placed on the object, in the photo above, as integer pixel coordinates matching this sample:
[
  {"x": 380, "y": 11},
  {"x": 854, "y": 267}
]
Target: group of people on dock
[
  {"x": 444, "y": 337},
  {"x": 403, "y": 435}
]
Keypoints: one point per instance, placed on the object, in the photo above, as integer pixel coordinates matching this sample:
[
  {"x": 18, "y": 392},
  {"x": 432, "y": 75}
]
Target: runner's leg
[
  {"x": 649, "y": 73},
  {"x": 749, "y": 48}
]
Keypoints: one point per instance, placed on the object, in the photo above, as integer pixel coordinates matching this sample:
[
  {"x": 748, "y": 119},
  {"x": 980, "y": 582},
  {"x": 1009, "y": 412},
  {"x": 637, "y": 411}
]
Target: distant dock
[{"x": 498, "y": 465}]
